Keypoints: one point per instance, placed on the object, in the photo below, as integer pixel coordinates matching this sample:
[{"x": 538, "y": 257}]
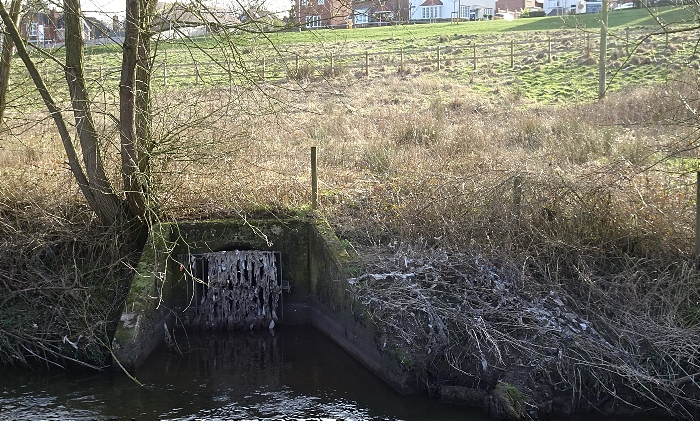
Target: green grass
[
  {"x": 566, "y": 78},
  {"x": 632, "y": 18}
]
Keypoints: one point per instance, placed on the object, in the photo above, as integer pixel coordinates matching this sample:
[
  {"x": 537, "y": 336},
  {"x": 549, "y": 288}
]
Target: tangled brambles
[
  {"x": 593, "y": 340},
  {"x": 60, "y": 283}
]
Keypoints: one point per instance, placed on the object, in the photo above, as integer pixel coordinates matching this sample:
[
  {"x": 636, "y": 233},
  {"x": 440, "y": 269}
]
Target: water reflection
[{"x": 295, "y": 374}]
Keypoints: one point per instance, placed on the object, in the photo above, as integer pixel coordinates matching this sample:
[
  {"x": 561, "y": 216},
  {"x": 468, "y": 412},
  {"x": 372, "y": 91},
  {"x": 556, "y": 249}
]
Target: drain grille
[{"x": 237, "y": 289}]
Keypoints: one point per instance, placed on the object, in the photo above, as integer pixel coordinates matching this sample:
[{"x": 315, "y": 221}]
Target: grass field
[{"x": 223, "y": 59}]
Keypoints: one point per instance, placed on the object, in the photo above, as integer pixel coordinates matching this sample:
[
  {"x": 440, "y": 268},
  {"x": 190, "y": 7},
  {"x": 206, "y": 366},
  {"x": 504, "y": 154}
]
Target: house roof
[
  {"x": 431, "y": 3},
  {"x": 188, "y": 15}
]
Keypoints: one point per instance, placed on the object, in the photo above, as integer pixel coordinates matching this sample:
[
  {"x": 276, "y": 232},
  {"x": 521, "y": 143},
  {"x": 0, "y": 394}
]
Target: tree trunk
[
  {"x": 6, "y": 58},
  {"x": 603, "y": 53},
  {"x": 54, "y": 111},
  {"x": 144, "y": 66},
  {"x": 108, "y": 205},
  {"x": 133, "y": 186}
]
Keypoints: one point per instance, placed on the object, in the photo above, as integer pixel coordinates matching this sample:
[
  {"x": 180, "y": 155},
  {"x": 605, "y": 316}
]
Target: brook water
[{"x": 297, "y": 373}]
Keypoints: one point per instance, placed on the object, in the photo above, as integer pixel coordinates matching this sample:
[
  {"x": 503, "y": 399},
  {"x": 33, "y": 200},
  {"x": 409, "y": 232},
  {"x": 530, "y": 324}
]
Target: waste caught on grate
[{"x": 242, "y": 291}]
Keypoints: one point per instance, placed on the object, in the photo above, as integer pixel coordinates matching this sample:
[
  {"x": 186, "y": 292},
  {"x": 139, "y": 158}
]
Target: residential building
[
  {"x": 343, "y": 13},
  {"x": 48, "y": 28},
  {"x": 435, "y": 10},
  {"x": 40, "y": 28},
  {"x": 184, "y": 18},
  {"x": 516, "y": 5},
  {"x": 564, "y": 7}
]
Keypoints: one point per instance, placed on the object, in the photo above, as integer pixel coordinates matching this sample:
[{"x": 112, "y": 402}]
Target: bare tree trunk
[
  {"x": 6, "y": 58},
  {"x": 108, "y": 204},
  {"x": 144, "y": 66},
  {"x": 55, "y": 112},
  {"x": 133, "y": 187},
  {"x": 603, "y": 53}
]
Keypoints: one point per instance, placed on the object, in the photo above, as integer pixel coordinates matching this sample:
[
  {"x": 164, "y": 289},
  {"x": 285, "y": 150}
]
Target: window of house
[
  {"x": 488, "y": 12},
  {"x": 304, "y": 2},
  {"x": 321, "y": 2},
  {"x": 361, "y": 16},
  {"x": 464, "y": 11},
  {"x": 430, "y": 12},
  {"x": 553, "y": 4},
  {"x": 313, "y": 21}
]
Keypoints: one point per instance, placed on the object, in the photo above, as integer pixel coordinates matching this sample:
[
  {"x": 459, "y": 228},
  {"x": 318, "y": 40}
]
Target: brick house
[
  {"x": 343, "y": 13},
  {"x": 40, "y": 28},
  {"x": 516, "y": 5},
  {"x": 47, "y": 28}
]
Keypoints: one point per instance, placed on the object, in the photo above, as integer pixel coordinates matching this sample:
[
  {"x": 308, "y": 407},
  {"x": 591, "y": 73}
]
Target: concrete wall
[
  {"x": 314, "y": 261},
  {"x": 335, "y": 313}
]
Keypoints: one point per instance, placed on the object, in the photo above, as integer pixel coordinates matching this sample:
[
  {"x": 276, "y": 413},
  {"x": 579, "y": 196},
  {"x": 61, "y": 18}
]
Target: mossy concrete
[{"x": 314, "y": 261}]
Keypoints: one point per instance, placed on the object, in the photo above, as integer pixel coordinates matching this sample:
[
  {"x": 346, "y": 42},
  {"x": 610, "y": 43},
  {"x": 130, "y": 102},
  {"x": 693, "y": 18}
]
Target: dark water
[{"x": 295, "y": 374}]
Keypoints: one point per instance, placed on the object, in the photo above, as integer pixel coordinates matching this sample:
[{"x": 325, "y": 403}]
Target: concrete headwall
[{"x": 314, "y": 261}]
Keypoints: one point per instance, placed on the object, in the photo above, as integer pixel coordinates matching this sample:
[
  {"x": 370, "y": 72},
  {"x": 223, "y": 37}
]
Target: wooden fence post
[
  {"x": 401, "y": 61},
  {"x": 196, "y": 72},
  {"x": 474, "y": 59},
  {"x": 549, "y": 49},
  {"x": 512, "y": 48},
  {"x": 296, "y": 65},
  {"x": 697, "y": 213},
  {"x": 588, "y": 44},
  {"x": 627, "y": 40},
  {"x": 314, "y": 179},
  {"x": 332, "y": 66},
  {"x": 367, "y": 63},
  {"x": 263, "y": 68},
  {"x": 438, "y": 58}
]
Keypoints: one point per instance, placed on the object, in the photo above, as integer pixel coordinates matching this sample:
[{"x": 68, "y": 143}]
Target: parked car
[{"x": 625, "y": 6}]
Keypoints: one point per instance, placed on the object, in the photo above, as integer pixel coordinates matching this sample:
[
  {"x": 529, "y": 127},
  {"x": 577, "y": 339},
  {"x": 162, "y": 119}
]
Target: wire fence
[{"x": 462, "y": 52}]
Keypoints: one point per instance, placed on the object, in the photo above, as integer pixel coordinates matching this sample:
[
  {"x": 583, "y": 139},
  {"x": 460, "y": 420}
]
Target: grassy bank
[{"x": 515, "y": 204}]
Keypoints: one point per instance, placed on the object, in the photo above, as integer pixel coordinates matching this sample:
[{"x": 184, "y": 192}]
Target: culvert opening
[{"x": 236, "y": 290}]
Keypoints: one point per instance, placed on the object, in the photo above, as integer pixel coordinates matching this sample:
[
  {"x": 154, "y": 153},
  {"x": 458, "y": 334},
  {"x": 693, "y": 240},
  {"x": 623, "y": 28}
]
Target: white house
[
  {"x": 430, "y": 10},
  {"x": 564, "y": 7}
]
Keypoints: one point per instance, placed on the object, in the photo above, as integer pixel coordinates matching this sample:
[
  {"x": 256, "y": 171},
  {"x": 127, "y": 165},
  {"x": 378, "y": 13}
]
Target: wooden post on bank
[
  {"x": 438, "y": 58},
  {"x": 512, "y": 48},
  {"x": 366, "y": 63},
  {"x": 697, "y": 214},
  {"x": 314, "y": 179},
  {"x": 332, "y": 66},
  {"x": 474, "y": 46}
]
